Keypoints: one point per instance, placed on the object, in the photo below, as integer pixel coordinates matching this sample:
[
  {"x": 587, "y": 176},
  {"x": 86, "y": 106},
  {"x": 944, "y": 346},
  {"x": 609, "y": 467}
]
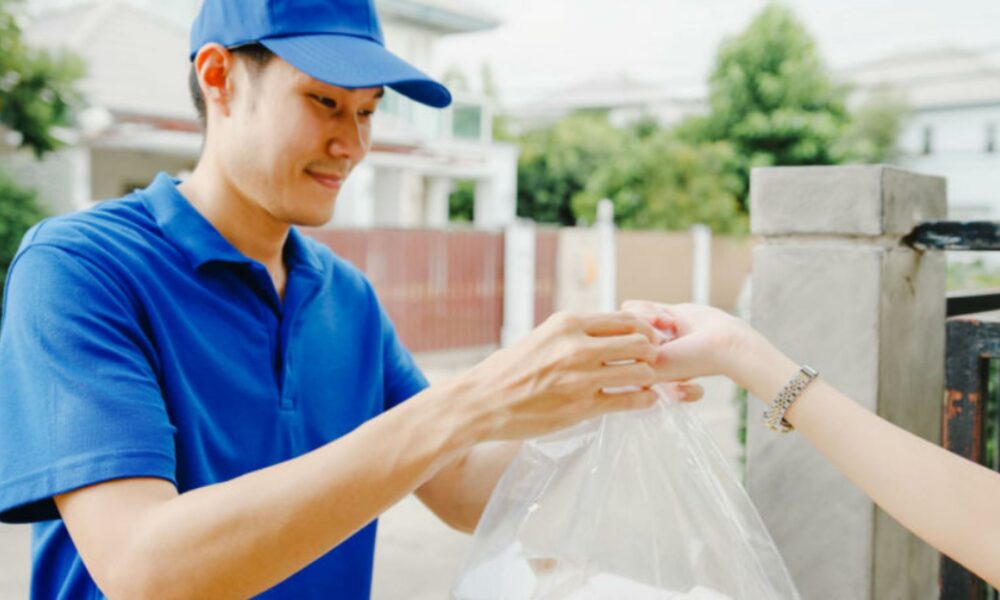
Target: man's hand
[{"x": 559, "y": 375}]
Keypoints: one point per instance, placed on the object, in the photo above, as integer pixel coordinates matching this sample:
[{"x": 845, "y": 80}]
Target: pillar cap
[{"x": 863, "y": 200}]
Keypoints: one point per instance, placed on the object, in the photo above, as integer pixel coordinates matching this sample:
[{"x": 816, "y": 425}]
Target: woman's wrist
[{"x": 756, "y": 365}]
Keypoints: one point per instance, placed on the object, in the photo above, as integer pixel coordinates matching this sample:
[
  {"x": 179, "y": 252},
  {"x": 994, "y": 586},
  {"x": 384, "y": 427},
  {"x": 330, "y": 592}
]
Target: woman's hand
[{"x": 705, "y": 340}]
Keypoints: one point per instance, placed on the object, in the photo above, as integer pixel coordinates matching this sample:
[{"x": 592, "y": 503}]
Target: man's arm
[
  {"x": 458, "y": 493},
  {"x": 139, "y": 538}
]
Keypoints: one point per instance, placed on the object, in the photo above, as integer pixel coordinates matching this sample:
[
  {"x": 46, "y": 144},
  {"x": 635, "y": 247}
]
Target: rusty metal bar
[{"x": 972, "y": 342}]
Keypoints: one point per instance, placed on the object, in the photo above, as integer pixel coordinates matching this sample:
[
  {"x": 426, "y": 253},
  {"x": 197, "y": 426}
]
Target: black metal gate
[{"x": 972, "y": 376}]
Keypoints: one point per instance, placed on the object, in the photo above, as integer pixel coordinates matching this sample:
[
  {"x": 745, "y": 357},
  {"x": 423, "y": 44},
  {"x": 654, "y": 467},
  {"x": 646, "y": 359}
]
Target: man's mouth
[{"x": 332, "y": 181}]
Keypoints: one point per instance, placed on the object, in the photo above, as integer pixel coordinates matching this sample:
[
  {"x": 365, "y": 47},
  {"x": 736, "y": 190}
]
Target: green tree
[
  {"x": 462, "y": 201},
  {"x": 665, "y": 183},
  {"x": 37, "y": 92},
  {"x": 557, "y": 162},
  {"x": 37, "y": 96},
  {"x": 872, "y": 135},
  {"x": 770, "y": 97},
  {"x": 18, "y": 212}
]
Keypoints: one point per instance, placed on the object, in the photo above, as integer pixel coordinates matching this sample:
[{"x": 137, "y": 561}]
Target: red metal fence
[{"x": 442, "y": 289}]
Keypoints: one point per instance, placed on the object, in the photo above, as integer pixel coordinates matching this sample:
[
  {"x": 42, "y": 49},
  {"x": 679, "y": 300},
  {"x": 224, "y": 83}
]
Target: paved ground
[{"x": 416, "y": 556}]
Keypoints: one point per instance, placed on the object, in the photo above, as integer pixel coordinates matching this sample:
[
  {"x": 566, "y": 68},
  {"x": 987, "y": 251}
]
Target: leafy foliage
[
  {"x": 37, "y": 93},
  {"x": 557, "y": 163},
  {"x": 37, "y": 96}
]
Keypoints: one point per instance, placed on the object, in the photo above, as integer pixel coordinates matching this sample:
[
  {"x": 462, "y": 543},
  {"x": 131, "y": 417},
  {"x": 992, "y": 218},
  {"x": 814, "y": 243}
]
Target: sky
[{"x": 547, "y": 44}]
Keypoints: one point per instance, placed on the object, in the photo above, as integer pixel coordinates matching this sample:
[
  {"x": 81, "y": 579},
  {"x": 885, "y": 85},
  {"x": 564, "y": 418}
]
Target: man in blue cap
[{"x": 200, "y": 402}]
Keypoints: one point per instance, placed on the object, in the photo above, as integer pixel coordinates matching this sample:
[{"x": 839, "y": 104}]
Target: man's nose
[{"x": 351, "y": 139}]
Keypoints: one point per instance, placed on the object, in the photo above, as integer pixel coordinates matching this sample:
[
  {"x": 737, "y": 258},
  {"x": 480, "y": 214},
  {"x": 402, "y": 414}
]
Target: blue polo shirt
[{"x": 137, "y": 342}]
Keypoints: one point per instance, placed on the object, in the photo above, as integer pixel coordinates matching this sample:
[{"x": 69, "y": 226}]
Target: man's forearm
[
  {"x": 459, "y": 492},
  {"x": 239, "y": 538}
]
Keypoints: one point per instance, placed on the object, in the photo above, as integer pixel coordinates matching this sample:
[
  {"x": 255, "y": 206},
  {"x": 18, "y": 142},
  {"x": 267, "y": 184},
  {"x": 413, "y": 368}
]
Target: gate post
[
  {"x": 519, "y": 281},
  {"x": 833, "y": 287}
]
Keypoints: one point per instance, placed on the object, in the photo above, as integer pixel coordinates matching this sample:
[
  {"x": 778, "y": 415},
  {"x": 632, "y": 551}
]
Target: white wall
[{"x": 958, "y": 152}]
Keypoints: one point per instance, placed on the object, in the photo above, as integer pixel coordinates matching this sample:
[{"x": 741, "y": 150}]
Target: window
[{"x": 467, "y": 123}]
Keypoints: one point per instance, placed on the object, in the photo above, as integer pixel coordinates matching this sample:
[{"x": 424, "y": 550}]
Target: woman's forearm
[{"x": 951, "y": 503}]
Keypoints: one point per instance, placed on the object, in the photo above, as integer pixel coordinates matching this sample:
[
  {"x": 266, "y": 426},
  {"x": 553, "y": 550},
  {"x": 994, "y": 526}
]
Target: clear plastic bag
[{"x": 637, "y": 506}]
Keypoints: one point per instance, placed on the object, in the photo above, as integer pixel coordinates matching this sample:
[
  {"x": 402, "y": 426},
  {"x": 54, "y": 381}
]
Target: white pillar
[
  {"x": 607, "y": 268},
  {"x": 519, "y": 281},
  {"x": 356, "y": 202},
  {"x": 438, "y": 189},
  {"x": 496, "y": 195},
  {"x": 834, "y": 288},
  {"x": 701, "y": 271},
  {"x": 411, "y": 200}
]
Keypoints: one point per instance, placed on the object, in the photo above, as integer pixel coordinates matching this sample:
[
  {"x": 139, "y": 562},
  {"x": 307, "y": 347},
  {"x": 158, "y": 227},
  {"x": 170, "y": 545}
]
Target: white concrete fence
[{"x": 834, "y": 288}]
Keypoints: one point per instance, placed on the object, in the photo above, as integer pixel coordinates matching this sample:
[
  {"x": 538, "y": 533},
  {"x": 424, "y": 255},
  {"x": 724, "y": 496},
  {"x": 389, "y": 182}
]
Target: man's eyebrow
[{"x": 380, "y": 93}]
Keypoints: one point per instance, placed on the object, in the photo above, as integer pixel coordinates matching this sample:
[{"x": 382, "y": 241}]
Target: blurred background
[{"x": 597, "y": 151}]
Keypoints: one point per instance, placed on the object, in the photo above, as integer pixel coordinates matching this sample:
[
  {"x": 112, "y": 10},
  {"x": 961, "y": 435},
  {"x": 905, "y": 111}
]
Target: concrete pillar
[
  {"x": 519, "y": 281},
  {"x": 607, "y": 271},
  {"x": 833, "y": 288}
]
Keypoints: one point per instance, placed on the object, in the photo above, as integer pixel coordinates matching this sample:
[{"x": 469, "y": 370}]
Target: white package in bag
[{"x": 636, "y": 506}]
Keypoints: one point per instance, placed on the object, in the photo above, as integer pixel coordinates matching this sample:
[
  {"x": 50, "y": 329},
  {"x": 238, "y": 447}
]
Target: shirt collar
[{"x": 199, "y": 240}]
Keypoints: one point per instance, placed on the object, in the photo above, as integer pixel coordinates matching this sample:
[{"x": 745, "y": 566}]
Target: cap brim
[{"x": 354, "y": 62}]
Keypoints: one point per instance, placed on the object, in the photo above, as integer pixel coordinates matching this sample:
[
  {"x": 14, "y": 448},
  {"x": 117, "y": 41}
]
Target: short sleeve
[
  {"x": 403, "y": 378},
  {"x": 80, "y": 401}
]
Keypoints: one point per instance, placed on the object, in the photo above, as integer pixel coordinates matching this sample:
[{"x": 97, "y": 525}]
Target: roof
[
  {"x": 442, "y": 16},
  {"x": 937, "y": 78}
]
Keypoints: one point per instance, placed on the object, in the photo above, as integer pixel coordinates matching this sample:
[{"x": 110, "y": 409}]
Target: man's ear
[{"x": 215, "y": 66}]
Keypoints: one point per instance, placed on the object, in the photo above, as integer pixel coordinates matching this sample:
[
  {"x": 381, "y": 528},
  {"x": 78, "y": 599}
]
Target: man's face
[{"x": 290, "y": 141}]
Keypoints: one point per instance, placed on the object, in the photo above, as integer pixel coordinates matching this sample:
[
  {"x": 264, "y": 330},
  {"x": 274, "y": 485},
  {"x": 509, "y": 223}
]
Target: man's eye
[
  {"x": 326, "y": 102},
  {"x": 366, "y": 113}
]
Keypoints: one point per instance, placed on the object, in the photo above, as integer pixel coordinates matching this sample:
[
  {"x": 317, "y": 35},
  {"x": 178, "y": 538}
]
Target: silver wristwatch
[{"x": 774, "y": 416}]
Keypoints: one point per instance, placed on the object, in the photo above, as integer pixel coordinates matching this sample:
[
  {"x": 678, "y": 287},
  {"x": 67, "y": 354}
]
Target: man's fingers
[
  {"x": 634, "y": 400},
  {"x": 632, "y": 347},
  {"x": 639, "y": 375},
  {"x": 619, "y": 323}
]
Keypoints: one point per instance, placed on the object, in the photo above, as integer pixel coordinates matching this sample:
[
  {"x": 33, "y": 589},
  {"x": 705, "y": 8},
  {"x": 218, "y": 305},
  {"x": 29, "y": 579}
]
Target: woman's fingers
[
  {"x": 656, "y": 314},
  {"x": 683, "y": 391}
]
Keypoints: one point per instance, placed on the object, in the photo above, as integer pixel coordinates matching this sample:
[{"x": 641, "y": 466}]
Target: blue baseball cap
[{"x": 335, "y": 41}]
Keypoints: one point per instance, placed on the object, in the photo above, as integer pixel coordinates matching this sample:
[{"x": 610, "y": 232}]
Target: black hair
[{"x": 256, "y": 57}]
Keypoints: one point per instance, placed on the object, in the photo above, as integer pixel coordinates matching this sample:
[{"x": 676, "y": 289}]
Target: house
[
  {"x": 952, "y": 131},
  {"x": 625, "y": 99},
  {"x": 139, "y": 119}
]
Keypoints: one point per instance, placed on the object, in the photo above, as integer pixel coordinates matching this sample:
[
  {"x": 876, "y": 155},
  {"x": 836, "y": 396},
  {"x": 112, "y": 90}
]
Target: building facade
[
  {"x": 952, "y": 128},
  {"x": 139, "y": 119}
]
